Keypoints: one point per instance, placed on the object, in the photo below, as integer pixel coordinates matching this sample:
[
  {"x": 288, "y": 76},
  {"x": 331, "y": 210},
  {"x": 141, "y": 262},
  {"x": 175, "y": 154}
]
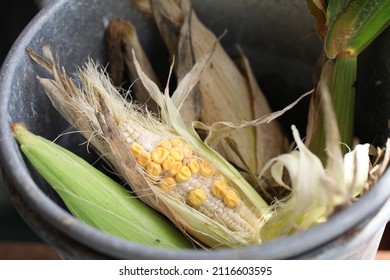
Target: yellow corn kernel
[
  {"x": 165, "y": 144},
  {"x": 136, "y": 149},
  {"x": 206, "y": 169},
  {"x": 193, "y": 165},
  {"x": 183, "y": 175},
  {"x": 143, "y": 158},
  {"x": 154, "y": 168},
  {"x": 159, "y": 154},
  {"x": 197, "y": 197},
  {"x": 177, "y": 153},
  {"x": 168, "y": 162},
  {"x": 176, "y": 142},
  {"x": 168, "y": 183},
  {"x": 187, "y": 151},
  {"x": 175, "y": 167},
  {"x": 219, "y": 188},
  {"x": 231, "y": 199}
]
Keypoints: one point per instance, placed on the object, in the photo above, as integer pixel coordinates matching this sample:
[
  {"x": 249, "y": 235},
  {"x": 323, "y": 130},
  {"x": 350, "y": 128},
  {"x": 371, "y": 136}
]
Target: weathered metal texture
[{"x": 279, "y": 40}]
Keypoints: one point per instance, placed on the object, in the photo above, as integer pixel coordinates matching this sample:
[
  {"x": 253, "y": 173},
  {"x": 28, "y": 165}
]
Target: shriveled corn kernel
[
  {"x": 193, "y": 165},
  {"x": 176, "y": 142},
  {"x": 159, "y": 154},
  {"x": 183, "y": 175},
  {"x": 168, "y": 163},
  {"x": 166, "y": 144},
  {"x": 136, "y": 149},
  {"x": 187, "y": 151},
  {"x": 154, "y": 169},
  {"x": 197, "y": 197},
  {"x": 175, "y": 167},
  {"x": 144, "y": 158},
  {"x": 219, "y": 188},
  {"x": 177, "y": 153},
  {"x": 206, "y": 169},
  {"x": 231, "y": 199},
  {"x": 167, "y": 183}
]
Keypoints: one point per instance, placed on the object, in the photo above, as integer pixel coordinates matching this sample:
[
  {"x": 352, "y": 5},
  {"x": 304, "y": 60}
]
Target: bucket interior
[{"x": 279, "y": 40}]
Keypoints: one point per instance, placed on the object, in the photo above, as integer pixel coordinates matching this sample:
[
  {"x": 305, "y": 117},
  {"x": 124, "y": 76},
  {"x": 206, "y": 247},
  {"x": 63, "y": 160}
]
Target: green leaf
[
  {"x": 334, "y": 7},
  {"x": 356, "y": 26}
]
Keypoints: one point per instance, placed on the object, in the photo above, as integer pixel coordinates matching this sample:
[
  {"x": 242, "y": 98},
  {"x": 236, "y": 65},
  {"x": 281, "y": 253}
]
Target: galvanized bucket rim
[{"x": 15, "y": 170}]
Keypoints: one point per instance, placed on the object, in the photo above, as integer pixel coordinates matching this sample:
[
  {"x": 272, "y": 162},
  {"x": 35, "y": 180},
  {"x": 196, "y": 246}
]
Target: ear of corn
[
  {"x": 96, "y": 199},
  {"x": 166, "y": 164}
]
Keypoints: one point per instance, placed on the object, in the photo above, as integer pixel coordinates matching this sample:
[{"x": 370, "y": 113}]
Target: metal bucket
[{"x": 279, "y": 40}]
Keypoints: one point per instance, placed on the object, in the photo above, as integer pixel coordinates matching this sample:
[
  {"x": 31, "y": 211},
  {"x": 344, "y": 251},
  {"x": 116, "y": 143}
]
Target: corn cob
[{"x": 168, "y": 166}]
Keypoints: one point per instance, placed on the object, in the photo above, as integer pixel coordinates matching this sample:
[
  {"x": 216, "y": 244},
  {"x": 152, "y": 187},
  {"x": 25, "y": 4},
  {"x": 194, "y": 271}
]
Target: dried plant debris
[
  {"x": 224, "y": 93},
  {"x": 121, "y": 40}
]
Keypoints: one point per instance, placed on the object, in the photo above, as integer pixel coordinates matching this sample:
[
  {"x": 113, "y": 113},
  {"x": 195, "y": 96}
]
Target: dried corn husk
[
  {"x": 223, "y": 94},
  {"x": 328, "y": 187},
  {"x": 121, "y": 39},
  {"x": 116, "y": 128}
]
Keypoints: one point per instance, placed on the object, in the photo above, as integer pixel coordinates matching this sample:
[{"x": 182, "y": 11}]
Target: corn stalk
[{"x": 347, "y": 28}]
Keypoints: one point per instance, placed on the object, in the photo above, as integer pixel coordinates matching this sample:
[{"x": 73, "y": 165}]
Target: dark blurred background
[
  {"x": 17, "y": 240},
  {"x": 14, "y": 16}
]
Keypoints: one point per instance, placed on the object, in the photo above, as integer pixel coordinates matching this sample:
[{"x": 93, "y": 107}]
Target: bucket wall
[{"x": 280, "y": 42}]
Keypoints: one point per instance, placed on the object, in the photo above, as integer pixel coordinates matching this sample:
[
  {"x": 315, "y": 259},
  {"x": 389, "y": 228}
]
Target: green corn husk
[{"x": 95, "y": 198}]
